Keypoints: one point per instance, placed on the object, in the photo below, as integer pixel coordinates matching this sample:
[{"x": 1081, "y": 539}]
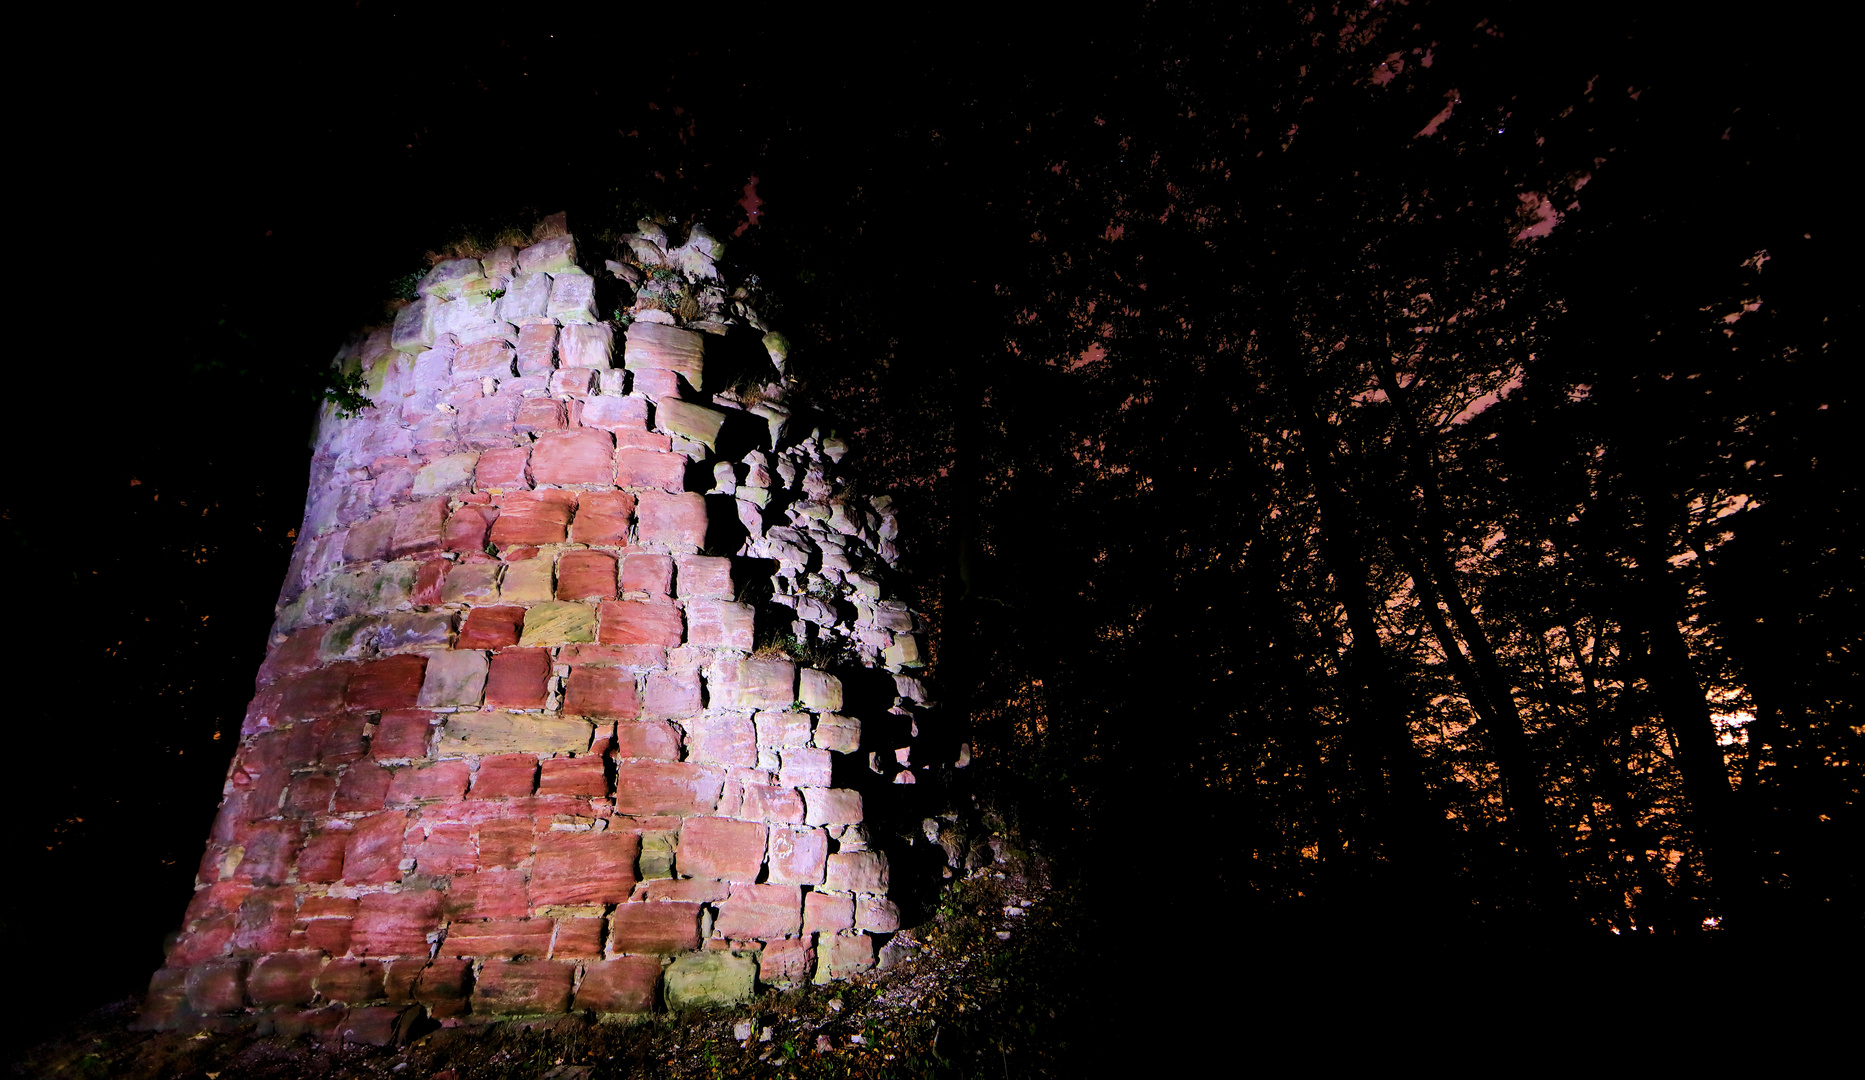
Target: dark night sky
[{"x": 240, "y": 187}]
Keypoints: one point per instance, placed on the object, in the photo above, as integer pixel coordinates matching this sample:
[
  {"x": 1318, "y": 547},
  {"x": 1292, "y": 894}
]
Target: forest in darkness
[{"x": 1383, "y": 469}]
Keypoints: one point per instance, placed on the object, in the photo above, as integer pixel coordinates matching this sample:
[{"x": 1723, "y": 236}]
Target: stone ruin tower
[{"x": 547, "y": 721}]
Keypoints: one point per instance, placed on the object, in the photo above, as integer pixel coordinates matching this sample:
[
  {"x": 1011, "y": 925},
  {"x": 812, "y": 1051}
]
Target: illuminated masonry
[{"x": 516, "y": 748}]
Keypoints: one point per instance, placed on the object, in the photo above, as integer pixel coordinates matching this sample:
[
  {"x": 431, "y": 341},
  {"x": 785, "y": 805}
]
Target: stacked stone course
[{"x": 514, "y": 748}]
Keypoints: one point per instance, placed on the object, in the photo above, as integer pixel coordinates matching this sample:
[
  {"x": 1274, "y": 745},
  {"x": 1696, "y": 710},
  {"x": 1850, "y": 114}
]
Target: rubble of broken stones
[{"x": 554, "y": 713}]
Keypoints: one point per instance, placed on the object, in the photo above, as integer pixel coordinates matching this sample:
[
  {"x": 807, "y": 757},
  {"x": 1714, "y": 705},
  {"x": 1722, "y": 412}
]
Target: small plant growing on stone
[
  {"x": 495, "y": 294},
  {"x": 344, "y": 389}
]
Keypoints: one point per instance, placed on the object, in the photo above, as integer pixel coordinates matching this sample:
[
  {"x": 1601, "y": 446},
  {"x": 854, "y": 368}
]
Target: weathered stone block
[
  {"x": 373, "y": 852},
  {"x": 724, "y": 740},
  {"x": 843, "y": 956},
  {"x": 522, "y": 987},
  {"x": 518, "y": 679},
  {"x": 451, "y": 278},
  {"x": 558, "y": 623},
  {"x": 721, "y": 848},
  {"x": 541, "y": 414},
  {"x": 689, "y": 421},
  {"x": 284, "y": 978},
  {"x": 499, "y": 937},
  {"x": 490, "y": 627},
  {"x": 856, "y": 872},
  {"x": 550, "y": 256},
  {"x": 586, "y": 575},
  {"x": 351, "y": 981},
  {"x": 577, "y": 939},
  {"x": 401, "y": 734},
  {"x": 797, "y": 856},
  {"x": 820, "y": 691},
  {"x": 422, "y": 783},
  {"x": 537, "y": 345},
  {"x": 804, "y": 767},
  {"x": 525, "y": 300},
  {"x": 218, "y": 987},
  {"x": 671, "y": 695},
  {"x": 572, "y": 298},
  {"x": 761, "y": 911},
  {"x": 578, "y": 456},
  {"x": 787, "y": 961},
  {"x": 640, "y": 622},
  {"x": 513, "y": 733},
  {"x": 877, "y": 914},
  {"x": 827, "y": 914},
  {"x": 528, "y": 581},
  {"x": 414, "y": 327},
  {"x": 488, "y": 359},
  {"x": 709, "y": 979},
  {"x": 443, "y": 986},
  {"x": 745, "y": 683},
  {"x": 582, "y": 777},
  {"x": 505, "y": 844},
  {"x": 655, "y": 739},
  {"x": 655, "y": 347},
  {"x": 656, "y": 386},
  {"x": 603, "y": 693},
  {"x": 627, "y": 417},
  {"x": 673, "y": 521},
  {"x": 395, "y": 924},
  {"x": 648, "y": 469},
  {"x": 721, "y": 624},
  {"x": 584, "y": 868},
  {"x": 704, "y": 577},
  {"x": 831, "y": 806},
  {"x": 391, "y": 683},
  {"x": 666, "y": 787},
  {"x": 468, "y": 528},
  {"x": 647, "y": 575},
  {"x": 505, "y": 776},
  {"x": 623, "y": 985},
  {"x": 841, "y": 734},
  {"x": 774, "y": 804},
  {"x": 418, "y": 528},
  {"x": 506, "y": 470},
  {"x": 602, "y": 518},
  {"x": 533, "y": 517},
  {"x": 368, "y": 540},
  {"x": 654, "y": 928},
  {"x": 777, "y": 730},
  {"x": 453, "y": 678}
]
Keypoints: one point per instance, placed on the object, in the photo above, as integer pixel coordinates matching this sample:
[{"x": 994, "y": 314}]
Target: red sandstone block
[
  {"x": 401, "y": 734},
  {"x": 491, "y": 627},
  {"x": 823, "y": 913},
  {"x": 390, "y": 683},
  {"x": 507, "y": 469},
  {"x": 650, "y": 470},
  {"x": 339, "y": 739},
  {"x": 283, "y": 978},
  {"x": 669, "y": 520},
  {"x": 623, "y": 985},
  {"x": 804, "y": 767},
  {"x": 218, "y": 987},
  {"x": 315, "y": 693},
  {"x": 498, "y": 937},
  {"x": 704, "y": 577},
  {"x": 602, "y": 518},
  {"x": 363, "y": 788},
  {"x": 533, "y": 517},
  {"x": 430, "y": 581},
  {"x": 671, "y": 696},
  {"x": 441, "y": 780},
  {"x": 654, "y": 928},
  {"x": 723, "y": 740},
  {"x": 720, "y": 848},
  {"x": 578, "y": 456},
  {"x": 309, "y": 793},
  {"x": 442, "y": 848},
  {"x": 577, "y": 939},
  {"x": 721, "y": 624},
  {"x": 418, "y": 528},
  {"x": 470, "y": 527},
  {"x": 586, "y": 575},
  {"x": 787, "y": 961},
  {"x": 775, "y": 804},
  {"x": 369, "y": 540},
  {"x": 321, "y": 859},
  {"x": 351, "y": 981},
  {"x": 270, "y": 849},
  {"x": 505, "y": 775},
  {"x": 655, "y": 385},
  {"x": 761, "y": 911},
  {"x": 647, "y": 575},
  {"x": 639, "y": 622},
  {"x": 266, "y": 919},
  {"x": 655, "y": 739},
  {"x": 541, "y": 414},
  {"x": 798, "y": 856},
  {"x": 634, "y": 657},
  {"x": 666, "y": 787},
  {"x": 165, "y": 1006},
  {"x": 681, "y": 890},
  {"x": 298, "y": 653},
  {"x": 376, "y": 1025},
  {"x": 395, "y": 924},
  {"x": 482, "y": 359},
  {"x": 602, "y": 693},
  {"x": 518, "y": 678},
  {"x": 512, "y": 987},
  {"x": 329, "y": 935},
  {"x": 485, "y": 423},
  {"x": 443, "y": 986},
  {"x": 398, "y": 984},
  {"x": 505, "y": 843},
  {"x": 537, "y": 344},
  {"x": 580, "y": 776},
  {"x": 488, "y": 894},
  {"x": 328, "y": 907},
  {"x": 374, "y": 853},
  {"x": 584, "y": 868}
]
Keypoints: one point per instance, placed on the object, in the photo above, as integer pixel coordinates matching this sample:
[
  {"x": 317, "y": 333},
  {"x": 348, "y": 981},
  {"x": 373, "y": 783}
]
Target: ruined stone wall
[{"x": 532, "y": 734}]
